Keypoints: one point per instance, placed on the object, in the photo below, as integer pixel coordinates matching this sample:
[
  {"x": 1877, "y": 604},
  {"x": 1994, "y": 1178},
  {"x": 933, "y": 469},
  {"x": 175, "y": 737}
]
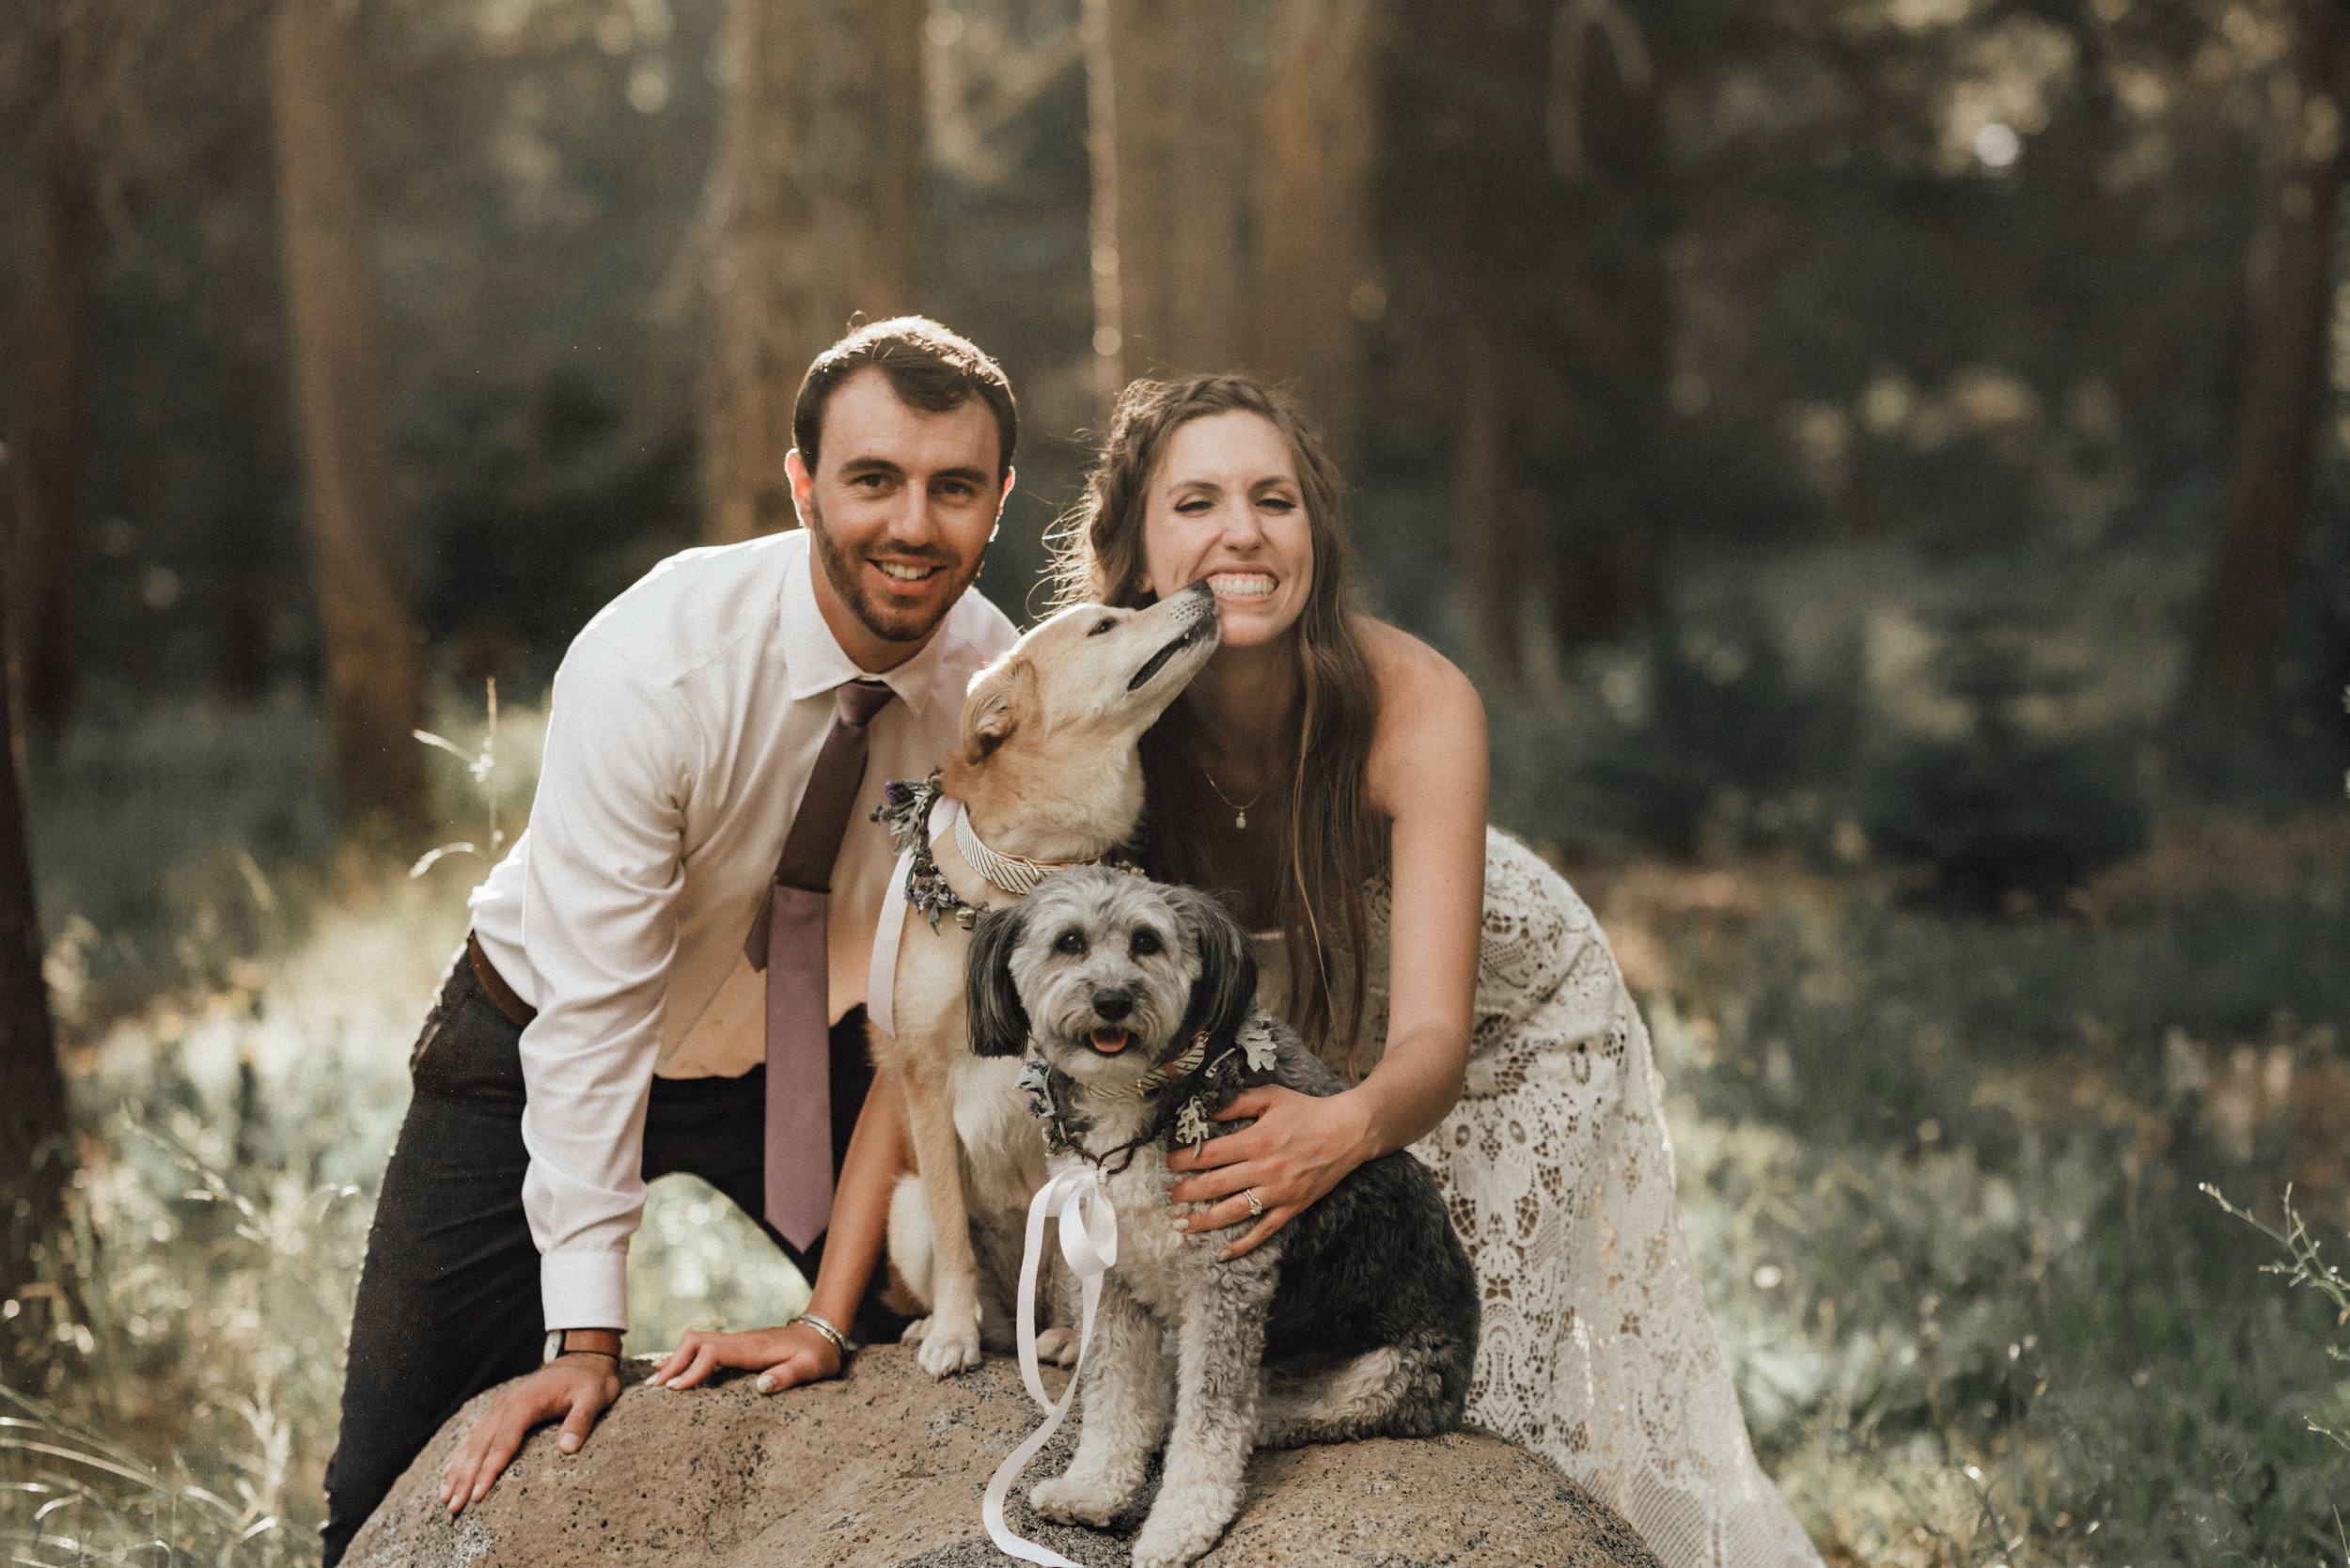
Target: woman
[{"x": 1328, "y": 773}]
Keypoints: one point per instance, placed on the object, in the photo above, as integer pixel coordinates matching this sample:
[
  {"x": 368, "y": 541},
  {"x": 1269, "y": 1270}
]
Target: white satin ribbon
[
  {"x": 1089, "y": 1241},
  {"x": 881, "y": 980}
]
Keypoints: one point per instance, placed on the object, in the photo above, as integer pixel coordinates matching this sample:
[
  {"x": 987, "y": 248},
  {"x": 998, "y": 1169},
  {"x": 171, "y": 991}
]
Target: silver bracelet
[{"x": 840, "y": 1341}]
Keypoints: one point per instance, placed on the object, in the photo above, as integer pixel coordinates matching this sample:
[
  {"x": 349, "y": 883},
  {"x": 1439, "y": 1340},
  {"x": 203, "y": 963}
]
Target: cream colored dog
[{"x": 1048, "y": 776}]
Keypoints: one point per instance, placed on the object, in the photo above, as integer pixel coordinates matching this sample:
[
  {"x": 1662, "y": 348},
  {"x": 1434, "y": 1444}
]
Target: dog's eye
[
  {"x": 1072, "y": 943},
  {"x": 1146, "y": 941},
  {"x": 1108, "y": 623}
]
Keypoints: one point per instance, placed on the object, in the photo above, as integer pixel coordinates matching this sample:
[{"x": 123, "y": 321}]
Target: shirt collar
[{"x": 814, "y": 662}]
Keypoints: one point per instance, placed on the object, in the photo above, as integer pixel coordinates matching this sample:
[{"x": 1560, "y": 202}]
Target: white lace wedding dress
[{"x": 1596, "y": 1351}]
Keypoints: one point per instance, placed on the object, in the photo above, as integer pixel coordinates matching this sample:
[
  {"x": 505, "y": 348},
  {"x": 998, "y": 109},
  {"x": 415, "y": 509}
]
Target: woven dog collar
[
  {"x": 1009, "y": 873},
  {"x": 1167, "y": 1072}
]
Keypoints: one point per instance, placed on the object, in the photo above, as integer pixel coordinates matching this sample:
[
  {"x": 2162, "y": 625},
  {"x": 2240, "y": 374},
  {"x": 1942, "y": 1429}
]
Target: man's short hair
[{"x": 930, "y": 369}]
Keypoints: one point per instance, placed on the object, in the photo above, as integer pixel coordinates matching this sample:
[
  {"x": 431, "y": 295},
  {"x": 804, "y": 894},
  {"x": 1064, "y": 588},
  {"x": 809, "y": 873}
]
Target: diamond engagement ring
[{"x": 1256, "y": 1205}]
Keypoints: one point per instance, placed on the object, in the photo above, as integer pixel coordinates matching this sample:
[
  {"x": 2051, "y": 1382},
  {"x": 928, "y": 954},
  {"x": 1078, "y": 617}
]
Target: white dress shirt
[{"x": 685, "y": 720}]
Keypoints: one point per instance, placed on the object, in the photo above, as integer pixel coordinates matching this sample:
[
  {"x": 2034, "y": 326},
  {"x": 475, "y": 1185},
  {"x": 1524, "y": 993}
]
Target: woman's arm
[
  {"x": 1428, "y": 773},
  {"x": 853, "y": 1248}
]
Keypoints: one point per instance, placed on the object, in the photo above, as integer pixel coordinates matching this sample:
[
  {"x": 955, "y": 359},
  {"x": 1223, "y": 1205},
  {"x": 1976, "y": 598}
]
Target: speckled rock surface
[{"x": 885, "y": 1468}]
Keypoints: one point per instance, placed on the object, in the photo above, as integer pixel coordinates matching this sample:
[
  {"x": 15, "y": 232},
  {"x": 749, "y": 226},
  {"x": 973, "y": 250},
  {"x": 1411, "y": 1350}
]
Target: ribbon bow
[{"x": 1089, "y": 1243}]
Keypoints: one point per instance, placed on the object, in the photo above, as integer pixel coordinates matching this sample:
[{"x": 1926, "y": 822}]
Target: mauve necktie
[{"x": 788, "y": 941}]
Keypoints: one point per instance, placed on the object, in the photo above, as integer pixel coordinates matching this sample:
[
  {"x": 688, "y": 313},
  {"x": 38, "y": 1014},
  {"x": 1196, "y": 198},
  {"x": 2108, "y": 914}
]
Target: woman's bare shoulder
[
  {"x": 1416, "y": 684},
  {"x": 1432, "y": 722}
]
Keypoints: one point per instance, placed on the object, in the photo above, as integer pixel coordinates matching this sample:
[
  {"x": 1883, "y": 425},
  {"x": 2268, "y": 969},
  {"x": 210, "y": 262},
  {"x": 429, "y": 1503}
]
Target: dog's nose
[{"x": 1113, "y": 1005}]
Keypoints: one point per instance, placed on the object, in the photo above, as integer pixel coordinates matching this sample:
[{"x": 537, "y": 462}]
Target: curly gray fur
[{"x": 1358, "y": 1319}]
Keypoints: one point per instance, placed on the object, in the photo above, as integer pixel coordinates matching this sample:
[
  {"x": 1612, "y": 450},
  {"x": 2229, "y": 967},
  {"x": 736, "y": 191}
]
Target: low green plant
[
  {"x": 2304, "y": 1267},
  {"x": 1973, "y": 1310}
]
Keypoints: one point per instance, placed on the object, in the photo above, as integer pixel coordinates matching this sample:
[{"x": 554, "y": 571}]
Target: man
[{"x": 729, "y": 718}]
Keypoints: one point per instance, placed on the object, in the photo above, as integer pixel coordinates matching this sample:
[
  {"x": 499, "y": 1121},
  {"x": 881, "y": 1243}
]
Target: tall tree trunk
[
  {"x": 1316, "y": 282},
  {"x": 817, "y": 204},
  {"x": 344, "y": 418},
  {"x": 1487, "y": 504},
  {"x": 1170, "y": 120},
  {"x": 1607, "y": 145},
  {"x": 245, "y": 542},
  {"x": 35, "y": 1147},
  {"x": 2282, "y": 395},
  {"x": 45, "y": 556}
]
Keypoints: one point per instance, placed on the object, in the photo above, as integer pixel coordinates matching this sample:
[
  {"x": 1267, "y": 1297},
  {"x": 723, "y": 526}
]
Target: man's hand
[
  {"x": 784, "y": 1358},
  {"x": 576, "y": 1387}
]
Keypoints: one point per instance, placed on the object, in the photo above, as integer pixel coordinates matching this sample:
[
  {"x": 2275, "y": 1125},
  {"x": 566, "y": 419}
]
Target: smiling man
[{"x": 667, "y": 973}]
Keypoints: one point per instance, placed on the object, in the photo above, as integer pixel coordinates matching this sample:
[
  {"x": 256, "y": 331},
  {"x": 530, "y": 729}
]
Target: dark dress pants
[{"x": 448, "y": 1298}]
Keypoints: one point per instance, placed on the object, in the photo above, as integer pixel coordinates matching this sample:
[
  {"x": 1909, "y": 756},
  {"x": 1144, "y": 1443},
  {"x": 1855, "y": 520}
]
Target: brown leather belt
[{"x": 518, "y": 1013}]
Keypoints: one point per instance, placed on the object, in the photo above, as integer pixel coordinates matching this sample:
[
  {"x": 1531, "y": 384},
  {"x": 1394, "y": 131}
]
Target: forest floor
[{"x": 1940, "y": 1173}]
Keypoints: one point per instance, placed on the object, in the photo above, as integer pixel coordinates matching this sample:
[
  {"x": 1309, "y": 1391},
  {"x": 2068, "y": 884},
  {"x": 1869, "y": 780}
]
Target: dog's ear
[
  {"x": 1227, "y": 987},
  {"x": 999, "y": 1025},
  {"x": 992, "y": 710}
]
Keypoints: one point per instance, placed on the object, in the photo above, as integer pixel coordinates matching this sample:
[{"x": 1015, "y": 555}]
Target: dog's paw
[
  {"x": 914, "y": 1332},
  {"x": 1170, "y": 1544},
  {"x": 1183, "y": 1524},
  {"x": 946, "y": 1352},
  {"x": 1058, "y": 1346},
  {"x": 1073, "y": 1501}
]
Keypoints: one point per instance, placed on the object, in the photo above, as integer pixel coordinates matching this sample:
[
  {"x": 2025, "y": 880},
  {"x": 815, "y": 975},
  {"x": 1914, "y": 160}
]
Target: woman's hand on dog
[
  {"x": 1300, "y": 1148},
  {"x": 783, "y": 1357}
]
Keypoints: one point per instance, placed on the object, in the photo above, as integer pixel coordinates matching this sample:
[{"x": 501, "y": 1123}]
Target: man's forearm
[{"x": 860, "y": 1205}]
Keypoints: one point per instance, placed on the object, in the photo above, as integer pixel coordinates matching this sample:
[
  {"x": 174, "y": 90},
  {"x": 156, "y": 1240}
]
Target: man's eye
[
  {"x": 1108, "y": 623},
  {"x": 1072, "y": 943},
  {"x": 1146, "y": 943}
]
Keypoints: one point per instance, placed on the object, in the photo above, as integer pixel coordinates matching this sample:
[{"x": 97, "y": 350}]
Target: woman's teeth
[
  {"x": 903, "y": 571},
  {"x": 1240, "y": 585}
]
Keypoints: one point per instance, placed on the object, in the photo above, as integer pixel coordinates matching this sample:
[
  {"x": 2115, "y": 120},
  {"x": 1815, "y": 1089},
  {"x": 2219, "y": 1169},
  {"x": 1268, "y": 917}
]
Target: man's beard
[{"x": 886, "y": 621}]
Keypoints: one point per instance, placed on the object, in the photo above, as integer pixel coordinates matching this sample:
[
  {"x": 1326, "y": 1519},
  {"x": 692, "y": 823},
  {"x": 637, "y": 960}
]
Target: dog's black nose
[{"x": 1113, "y": 1005}]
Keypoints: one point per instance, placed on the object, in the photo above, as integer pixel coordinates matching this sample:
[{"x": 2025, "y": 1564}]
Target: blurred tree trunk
[
  {"x": 343, "y": 416},
  {"x": 816, "y": 207},
  {"x": 1487, "y": 507},
  {"x": 2283, "y": 392},
  {"x": 51, "y": 436},
  {"x": 1607, "y": 143},
  {"x": 1316, "y": 279},
  {"x": 36, "y": 1150},
  {"x": 1170, "y": 118},
  {"x": 245, "y": 532}
]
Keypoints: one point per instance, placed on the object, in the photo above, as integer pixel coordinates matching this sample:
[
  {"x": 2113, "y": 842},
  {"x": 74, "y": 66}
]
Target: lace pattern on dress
[{"x": 1596, "y": 1350}]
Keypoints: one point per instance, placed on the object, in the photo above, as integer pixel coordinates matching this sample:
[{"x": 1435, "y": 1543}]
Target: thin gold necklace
[{"x": 1240, "y": 808}]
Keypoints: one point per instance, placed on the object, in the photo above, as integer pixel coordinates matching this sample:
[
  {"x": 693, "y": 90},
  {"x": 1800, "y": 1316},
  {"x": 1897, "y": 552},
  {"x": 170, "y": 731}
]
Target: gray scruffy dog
[{"x": 1135, "y": 1003}]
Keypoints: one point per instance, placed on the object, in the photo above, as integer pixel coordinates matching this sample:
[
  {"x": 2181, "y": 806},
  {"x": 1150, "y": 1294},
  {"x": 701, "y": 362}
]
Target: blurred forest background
[{"x": 1884, "y": 462}]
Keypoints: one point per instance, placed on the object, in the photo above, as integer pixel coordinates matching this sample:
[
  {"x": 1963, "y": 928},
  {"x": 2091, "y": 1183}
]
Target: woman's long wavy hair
[{"x": 1334, "y": 841}]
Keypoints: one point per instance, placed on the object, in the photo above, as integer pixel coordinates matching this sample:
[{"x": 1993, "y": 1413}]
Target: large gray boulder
[{"x": 884, "y": 1468}]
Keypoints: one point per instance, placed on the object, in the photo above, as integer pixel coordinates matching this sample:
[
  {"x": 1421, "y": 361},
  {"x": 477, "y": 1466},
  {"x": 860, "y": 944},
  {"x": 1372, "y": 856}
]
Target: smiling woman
[{"x": 1454, "y": 978}]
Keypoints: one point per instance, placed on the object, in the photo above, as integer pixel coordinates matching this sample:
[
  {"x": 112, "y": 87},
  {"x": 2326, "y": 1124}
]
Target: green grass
[
  {"x": 1949, "y": 1220},
  {"x": 1941, "y": 1177}
]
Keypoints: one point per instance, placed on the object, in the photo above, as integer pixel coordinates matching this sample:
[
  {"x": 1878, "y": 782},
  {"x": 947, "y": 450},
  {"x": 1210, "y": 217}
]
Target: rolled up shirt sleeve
[{"x": 603, "y": 871}]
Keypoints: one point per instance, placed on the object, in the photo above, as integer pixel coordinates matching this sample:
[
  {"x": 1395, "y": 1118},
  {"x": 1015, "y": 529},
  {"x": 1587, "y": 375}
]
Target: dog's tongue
[{"x": 1110, "y": 1041}]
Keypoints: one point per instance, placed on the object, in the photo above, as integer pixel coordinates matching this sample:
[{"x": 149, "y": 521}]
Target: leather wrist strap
[{"x": 559, "y": 1345}]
